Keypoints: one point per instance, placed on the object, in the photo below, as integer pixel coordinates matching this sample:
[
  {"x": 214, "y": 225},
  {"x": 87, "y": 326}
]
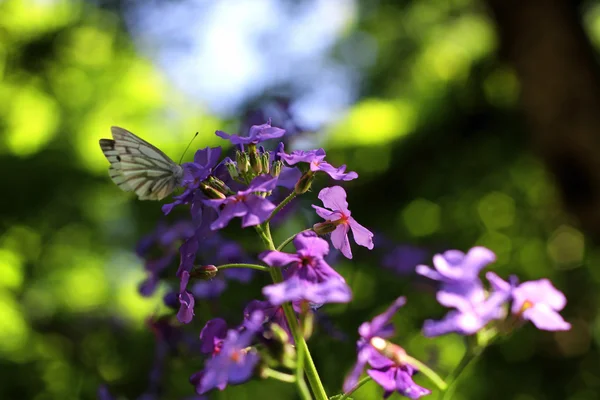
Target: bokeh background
[{"x": 469, "y": 122}]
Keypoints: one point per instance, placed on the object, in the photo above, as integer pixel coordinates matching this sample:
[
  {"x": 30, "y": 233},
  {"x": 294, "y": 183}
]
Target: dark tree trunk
[{"x": 560, "y": 81}]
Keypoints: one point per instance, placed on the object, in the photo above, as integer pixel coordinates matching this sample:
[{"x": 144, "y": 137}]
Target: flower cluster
[
  {"x": 254, "y": 184},
  {"x": 474, "y": 307}
]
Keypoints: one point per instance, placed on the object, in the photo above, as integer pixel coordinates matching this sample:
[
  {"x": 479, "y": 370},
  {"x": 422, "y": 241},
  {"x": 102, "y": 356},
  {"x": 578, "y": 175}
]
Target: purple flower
[
  {"x": 397, "y": 378},
  {"x": 456, "y": 267},
  {"x": 165, "y": 239},
  {"x": 234, "y": 363},
  {"x": 316, "y": 159},
  {"x": 318, "y": 293},
  {"x": 186, "y": 300},
  {"x": 458, "y": 274},
  {"x": 536, "y": 301},
  {"x": 334, "y": 198},
  {"x": 212, "y": 336},
  {"x": 379, "y": 326},
  {"x": 206, "y": 163},
  {"x": 308, "y": 276},
  {"x": 257, "y": 134},
  {"x": 462, "y": 290},
  {"x": 252, "y": 208},
  {"x": 469, "y": 317}
]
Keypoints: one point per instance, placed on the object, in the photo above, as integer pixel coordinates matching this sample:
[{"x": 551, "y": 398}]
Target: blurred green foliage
[{"x": 444, "y": 163}]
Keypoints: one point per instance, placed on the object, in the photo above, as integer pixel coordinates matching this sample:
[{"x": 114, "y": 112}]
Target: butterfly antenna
[{"x": 187, "y": 148}]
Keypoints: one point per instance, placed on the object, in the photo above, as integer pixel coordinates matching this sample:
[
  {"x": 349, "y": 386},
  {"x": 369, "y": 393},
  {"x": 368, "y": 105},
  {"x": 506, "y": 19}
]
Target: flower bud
[
  {"x": 242, "y": 161},
  {"x": 266, "y": 163},
  {"x": 232, "y": 168},
  {"x": 304, "y": 183},
  {"x": 389, "y": 350},
  {"x": 276, "y": 168},
  {"x": 211, "y": 192},
  {"x": 204, "y": 272},
  {"x": 255, "y": 162},
  {"x": 323, "y": 228},
  {"x": 218, "y": 184}
]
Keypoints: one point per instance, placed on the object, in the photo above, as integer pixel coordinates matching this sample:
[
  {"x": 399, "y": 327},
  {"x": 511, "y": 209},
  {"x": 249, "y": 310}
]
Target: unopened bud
[
  {"x": 323, "y": 228},
  {"x": 389, "y": 350},
  {"x": 218, "y": 184},
  {"x": 232, "y": 168},
  {"x": 303, "y": 184},
  {"x": 204, "y": 272},
  {"x": 255, "y": 162},
  {"x": 266, "y": 163},
  {"x": 211, "y": 192},
  {"x": 276, "y": 168},
  {"x": 242, "y": 161}
]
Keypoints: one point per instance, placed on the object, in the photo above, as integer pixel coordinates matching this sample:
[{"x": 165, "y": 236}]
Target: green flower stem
[
  {"x": 280, "y": 206},
  {"x": 309, "y": 366},
  {"x": 241, "y": 265},
  {"x": 300, "y": 382},
  {"x": 425, "y": 370},
  {"x": 288, "y": 240},
  {"x": 280, "y": 376},
  {"x": 355, "y": 387},
  {"x": 471, "y": 355}
]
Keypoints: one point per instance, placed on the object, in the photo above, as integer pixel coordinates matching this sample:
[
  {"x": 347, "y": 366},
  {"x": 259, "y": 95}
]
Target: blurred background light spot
[
  {"x": 84, "y": 286},
  {"x": 533, "y": 257},
  {"x": 496, "y": 210},
  {"x": 11, "y": 269},
  {"x": 72, "y": 86},
  {"x": 421, "y": 217},
  {"x": 88, "y": 46},
  {"x": 566, "y": 247},
  {"x": 22, "y": 240},
  {"x": 451, "y": 48},
  {"x": 14, "y": 330},
  {"x": 128, "y": 302},
  {"x": 57, "y": 375},
  {"x": 26, "y": 18},
  {"x": 374, "y": 122},
  {"x": 32, "y": 121},
  {"x": 499, "y": 243},
  {"x": 591, "y": 23},
  {"x": 39, "y": 301},
  {"x": 501, "y": 88}
]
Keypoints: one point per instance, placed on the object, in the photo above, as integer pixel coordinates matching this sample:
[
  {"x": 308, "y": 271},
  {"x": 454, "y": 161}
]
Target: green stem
[
  {"x": 280, "y": 376},
  {"x": 470, "y": 356},
  {"x": 288, "y": 240},
  {"x": 241, "y": 265},
  {"x": 300, "y": 382},
  {"x": 425, "y": 370},
  {"x": 309, "y": 366},
  {"x": 355, "y": 387},
  {"x": 283, "y": 203}
]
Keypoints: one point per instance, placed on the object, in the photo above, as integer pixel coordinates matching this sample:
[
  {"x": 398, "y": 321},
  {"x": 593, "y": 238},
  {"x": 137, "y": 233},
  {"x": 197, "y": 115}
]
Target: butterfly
[{"x": 137, "y": 166}]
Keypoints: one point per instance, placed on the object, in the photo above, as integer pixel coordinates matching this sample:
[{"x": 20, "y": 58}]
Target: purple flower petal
[
  {"x": 362, "y": 236},
  {"x": 334, "y": 198},
  {"x": 339, "y": 174},
  {"x": 278, "y": 258},
  {"x": 339, "y": 239},
  {"x": 212, "y": 335},
  {"x": 259, "y": 209}
]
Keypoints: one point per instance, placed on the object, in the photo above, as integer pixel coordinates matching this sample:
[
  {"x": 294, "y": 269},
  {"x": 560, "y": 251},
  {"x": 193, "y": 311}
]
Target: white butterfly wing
[{"x": 138, "y": 166}]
